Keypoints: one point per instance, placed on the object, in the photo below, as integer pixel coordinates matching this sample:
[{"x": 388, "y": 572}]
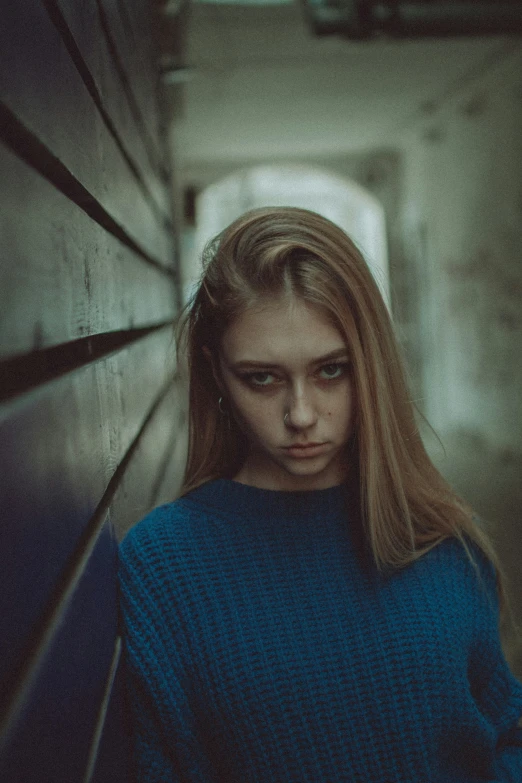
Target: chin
[{"x": 309, "y": 468}]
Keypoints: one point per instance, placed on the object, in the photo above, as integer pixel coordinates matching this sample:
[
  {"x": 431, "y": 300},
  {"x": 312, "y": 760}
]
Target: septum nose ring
[{"x": 285, "y": 417}]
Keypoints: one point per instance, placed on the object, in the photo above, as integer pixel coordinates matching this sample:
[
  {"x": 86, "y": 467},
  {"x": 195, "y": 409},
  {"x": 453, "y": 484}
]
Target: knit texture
[{"x": 262, "y": 645}]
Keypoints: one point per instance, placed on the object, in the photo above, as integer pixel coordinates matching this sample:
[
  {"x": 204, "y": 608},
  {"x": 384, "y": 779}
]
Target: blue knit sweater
[{"x": 262, "y": 645}]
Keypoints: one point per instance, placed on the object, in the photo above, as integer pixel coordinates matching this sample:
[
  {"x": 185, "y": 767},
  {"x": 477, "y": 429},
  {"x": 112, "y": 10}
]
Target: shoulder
[
  {"x": 153, "y": 539},
  {"x": 454, "y": 573},
  {"x": 170, "y": 534},
  {"x": 464, "y": 562},
  {"x": 168, "y": 521},
  {"x": 461, "y": 577},
  {"x": 155, "y": 529},
  {"x": 460, "y": 559}
]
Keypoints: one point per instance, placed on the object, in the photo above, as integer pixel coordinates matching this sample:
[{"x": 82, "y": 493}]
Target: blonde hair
[{"x": 406, "y": 506}]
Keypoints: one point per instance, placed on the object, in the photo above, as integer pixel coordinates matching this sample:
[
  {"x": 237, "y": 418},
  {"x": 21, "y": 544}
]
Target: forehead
[{"x": 284, "y": 330}]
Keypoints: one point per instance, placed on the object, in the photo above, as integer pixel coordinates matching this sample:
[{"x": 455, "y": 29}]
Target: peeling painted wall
[{"x": 462, "y": 229}]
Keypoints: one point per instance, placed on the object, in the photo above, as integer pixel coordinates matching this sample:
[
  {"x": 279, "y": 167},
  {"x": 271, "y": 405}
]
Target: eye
[
  {"x": 330, "y": 372},
  {"x": 259, "y": 378}
]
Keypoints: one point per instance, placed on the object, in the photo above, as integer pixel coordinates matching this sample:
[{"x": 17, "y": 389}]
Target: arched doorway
[{"x": 341, "y": 200}]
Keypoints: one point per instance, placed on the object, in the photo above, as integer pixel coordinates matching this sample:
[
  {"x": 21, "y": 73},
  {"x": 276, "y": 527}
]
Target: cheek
[
  {"x": 262, "y": 415},
  {"x": 255, "y": 415},
  {"x": 341, "y": 409}
]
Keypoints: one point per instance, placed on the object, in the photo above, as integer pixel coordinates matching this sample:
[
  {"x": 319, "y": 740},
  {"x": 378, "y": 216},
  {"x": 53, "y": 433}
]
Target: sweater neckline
[{"x": 230, "y": 497}]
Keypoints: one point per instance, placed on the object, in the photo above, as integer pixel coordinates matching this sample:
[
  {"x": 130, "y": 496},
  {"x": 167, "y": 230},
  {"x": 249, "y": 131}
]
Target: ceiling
[{"x": 261, "y": 87}]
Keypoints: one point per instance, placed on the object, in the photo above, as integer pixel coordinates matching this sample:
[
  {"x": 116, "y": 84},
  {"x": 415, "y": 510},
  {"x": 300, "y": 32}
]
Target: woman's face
[{"x": 285, "y": 374}]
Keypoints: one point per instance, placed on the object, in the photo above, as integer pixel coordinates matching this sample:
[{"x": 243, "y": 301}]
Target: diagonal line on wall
[
  {"x": 146, "y": 138},
  {"x": 52, "y": 617},
  {"x": 21, "y": 374},
  {"x": 27, "y": 146},
  {"x": 102, "y": 713},
  {"x": 70, "y": 44}
]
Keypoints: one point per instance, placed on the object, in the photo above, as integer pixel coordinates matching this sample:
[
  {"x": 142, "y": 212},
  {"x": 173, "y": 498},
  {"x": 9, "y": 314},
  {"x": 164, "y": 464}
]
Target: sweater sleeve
[
  {"x": 498, "y": 692},
  {"x": 167, "y": 746}
]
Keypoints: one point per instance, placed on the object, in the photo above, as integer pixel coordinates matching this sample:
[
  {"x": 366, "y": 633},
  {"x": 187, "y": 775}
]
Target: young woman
[{"x": 318, "y": 606}]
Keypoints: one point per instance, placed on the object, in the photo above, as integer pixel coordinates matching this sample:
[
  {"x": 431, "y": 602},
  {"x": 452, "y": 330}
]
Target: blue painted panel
[
  {"x": 52, "y": 480},
  {"x": 57, "y": 455},
  {"x": 60, "y": 111},
  {"x": 114, "y": 752},
  {"x": 51, "y": 741}
]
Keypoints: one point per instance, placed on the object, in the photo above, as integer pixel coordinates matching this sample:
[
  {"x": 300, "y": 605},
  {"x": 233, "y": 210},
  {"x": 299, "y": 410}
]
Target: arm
[
  {"x": 509, "y": 764},
  {"x": 498, "y": 692},
  {"x": 167, "y": 747},
  {"x": 509, "y": 746},
  {"x": 151, "y": 757}
]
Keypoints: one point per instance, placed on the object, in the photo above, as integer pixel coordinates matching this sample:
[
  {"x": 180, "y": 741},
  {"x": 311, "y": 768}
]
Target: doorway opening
[{"x": 337, "y": 198}]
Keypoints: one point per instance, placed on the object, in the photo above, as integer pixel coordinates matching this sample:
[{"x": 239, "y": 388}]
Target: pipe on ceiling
[{"x": 364, "y": 19}]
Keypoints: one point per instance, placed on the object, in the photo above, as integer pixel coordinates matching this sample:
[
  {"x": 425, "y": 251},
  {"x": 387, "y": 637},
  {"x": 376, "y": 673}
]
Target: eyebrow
[{"x": 328, "y": 357}]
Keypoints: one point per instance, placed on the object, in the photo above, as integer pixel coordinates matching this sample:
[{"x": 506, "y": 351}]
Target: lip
[{"x": 305, "y": 450}]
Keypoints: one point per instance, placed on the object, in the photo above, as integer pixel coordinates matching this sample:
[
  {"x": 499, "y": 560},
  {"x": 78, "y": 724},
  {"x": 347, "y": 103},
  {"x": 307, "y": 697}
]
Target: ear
[{"x": 214, "y": 364}]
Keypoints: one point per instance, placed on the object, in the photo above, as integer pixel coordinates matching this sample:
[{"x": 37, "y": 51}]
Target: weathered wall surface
[
  {"x": 462, "y": 229},
  {"x": 89, "y": 414}
]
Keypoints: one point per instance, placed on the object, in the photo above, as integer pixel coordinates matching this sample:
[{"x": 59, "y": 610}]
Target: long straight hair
[{"x": 406, "y": 506}]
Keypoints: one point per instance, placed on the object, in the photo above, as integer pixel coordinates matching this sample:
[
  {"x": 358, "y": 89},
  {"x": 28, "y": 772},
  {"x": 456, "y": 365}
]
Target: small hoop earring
[
  {"x": 221, "y": 410},
  {"x": 285, "y": 417}
]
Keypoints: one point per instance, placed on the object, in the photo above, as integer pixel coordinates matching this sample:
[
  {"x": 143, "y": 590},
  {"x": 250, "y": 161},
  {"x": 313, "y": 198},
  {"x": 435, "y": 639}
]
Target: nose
[{"x": 300, "y": 411}]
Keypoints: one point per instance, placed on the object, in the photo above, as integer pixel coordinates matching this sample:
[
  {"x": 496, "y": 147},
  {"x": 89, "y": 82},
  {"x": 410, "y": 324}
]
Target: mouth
[{"x": 305, "y": 450}]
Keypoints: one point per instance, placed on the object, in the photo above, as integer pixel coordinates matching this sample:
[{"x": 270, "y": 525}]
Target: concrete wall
[
  {"x": 462, "y": 234},
  {"x": 91, "y": 414}
]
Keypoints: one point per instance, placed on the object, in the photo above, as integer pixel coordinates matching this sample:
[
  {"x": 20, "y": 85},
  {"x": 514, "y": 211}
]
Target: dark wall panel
[
  {"x": 160, "y": 453},
  {"x": 52, "y": 734},
  {"x": 94, "y": 38},
  {"x": 64, "y": 276},
  {"x": 131, "y": 28},
  {"x": 42, "y": 85},
  {"x": 91, "y": 420},
  {"x": 58, "y": 453},
  {"x": 111, "y": 753}
]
